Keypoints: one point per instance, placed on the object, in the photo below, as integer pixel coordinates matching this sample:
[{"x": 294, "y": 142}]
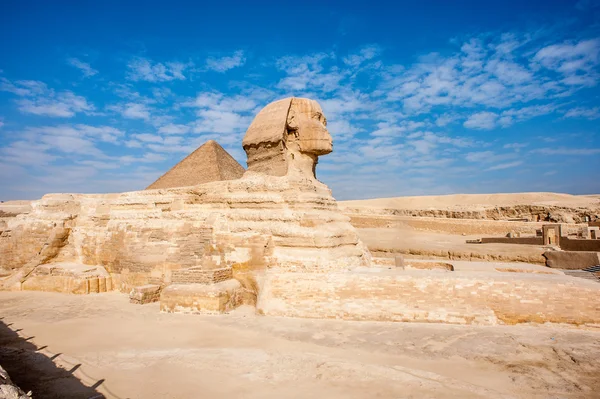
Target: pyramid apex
[{"x": 209, "y": 162}]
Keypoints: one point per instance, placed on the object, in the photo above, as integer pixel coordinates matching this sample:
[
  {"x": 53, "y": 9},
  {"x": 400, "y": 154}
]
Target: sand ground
[{"x": 123, "y": 350}]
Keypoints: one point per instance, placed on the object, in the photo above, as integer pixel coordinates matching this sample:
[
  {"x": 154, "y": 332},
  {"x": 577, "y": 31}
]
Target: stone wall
[
  {"x": 513, "y": 240},
  {"x": 533, "y": 213},
  {"x": 428, "y": 296},
  {"x": 571, "y": 260},
  {"x": 579, "y": 244}
]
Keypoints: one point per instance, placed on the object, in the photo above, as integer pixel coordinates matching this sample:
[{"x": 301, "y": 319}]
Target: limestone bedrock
[{"x": 277, "y": 215}]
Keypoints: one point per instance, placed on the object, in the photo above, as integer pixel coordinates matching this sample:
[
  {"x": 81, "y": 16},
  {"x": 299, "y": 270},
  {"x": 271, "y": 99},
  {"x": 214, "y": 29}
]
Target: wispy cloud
[
  {"x": 38, "y": 99},
  {"x": 505, "y": 165},
  {"x": 481, "y": 120},
  {"x": 365, "y": 54},
  {"x": 132, "y": 110},
  {"x": 583, "y": 112},
  {"x": 143, "y": 69},
  {"x": 223, "y": 64},
  {"x": 566, "y": 151},
  {"x": 84, "y": 67},
  {"x": 174, "y": 129}
]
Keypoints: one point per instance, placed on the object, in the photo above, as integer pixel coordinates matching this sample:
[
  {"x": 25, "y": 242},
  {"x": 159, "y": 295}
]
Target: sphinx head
[{"x": 287, "y": 137}]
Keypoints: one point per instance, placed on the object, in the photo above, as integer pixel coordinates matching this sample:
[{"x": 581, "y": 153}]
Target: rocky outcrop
[
  {"x": 534, "y": 213},
  {"x": 8, "y": 390}
]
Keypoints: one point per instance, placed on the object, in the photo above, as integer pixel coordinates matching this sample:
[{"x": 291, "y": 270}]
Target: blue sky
[{"x": 421, "y": 97}]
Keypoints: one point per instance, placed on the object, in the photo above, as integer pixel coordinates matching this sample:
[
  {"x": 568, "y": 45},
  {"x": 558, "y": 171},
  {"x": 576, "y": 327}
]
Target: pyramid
[{"x": 210, "y": 162}]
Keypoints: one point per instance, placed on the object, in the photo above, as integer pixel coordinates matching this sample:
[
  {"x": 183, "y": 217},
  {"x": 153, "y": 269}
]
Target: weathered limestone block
[
  {"x": 195, "y": 275},
  {"x": 68, "y": 278},
  {"x": 571, "y": 259},
  {"x": 201, "y": 298},
  {"x": 145, "y": 294},
  {"x": 425, "y": 296}
]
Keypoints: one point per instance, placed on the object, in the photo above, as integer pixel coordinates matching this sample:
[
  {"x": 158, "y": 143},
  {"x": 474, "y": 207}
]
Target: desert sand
[{"x": 123, "y": 350}]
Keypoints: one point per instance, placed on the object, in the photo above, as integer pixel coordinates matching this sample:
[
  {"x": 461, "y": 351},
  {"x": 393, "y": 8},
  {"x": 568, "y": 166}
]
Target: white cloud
[
  {"x": 220, "y": 114},
  {"x": 515, "y": 146},
  {"x": 446, "y": 119},
  {"x": 63, "y": 105},
  {"x": 143, "y": 69},
  {"x": 505, "y": 165},
  {"x": 38, "y": 99},
  {"x": 26, "y": 153},
  {"x": 572, "y": 60},
  {"x": 567, "y": 151},
  {"x": 498, "y": 74},
  {"x": 148, "y": 138},
  {"x": 146, "y": 158},
  {"x": 84, "y": 67},
  {"x": 1, "y": 122},
  {"x": 481, "y": 120},
  {"x": 365, "y": 54},
  {"x": 132, "y": 110},
  {"x": 215, "y": 121},
  {"x": 224, "y": 64},
  {"x": 307, "y": 72},
  {"x": 512, "y": 116},
  {"x": 70, "y": 140},
  {"x": 582, "y": 112},
  {"x": 23, "y": 87},
  {"x": 479, "y": 156},
  {"x": 174, "y": 129}
]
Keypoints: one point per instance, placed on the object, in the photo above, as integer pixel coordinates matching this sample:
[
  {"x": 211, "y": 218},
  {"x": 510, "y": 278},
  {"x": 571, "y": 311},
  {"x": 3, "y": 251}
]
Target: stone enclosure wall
[
  {"x": 426, "y": 296},
  {"x": 579, "y": 244},
  {"x": 513, "y": 240}
]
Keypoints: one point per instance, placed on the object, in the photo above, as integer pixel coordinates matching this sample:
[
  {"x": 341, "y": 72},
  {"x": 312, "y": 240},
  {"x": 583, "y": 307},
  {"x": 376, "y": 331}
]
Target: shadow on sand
[{"x": 35, "y": 371}]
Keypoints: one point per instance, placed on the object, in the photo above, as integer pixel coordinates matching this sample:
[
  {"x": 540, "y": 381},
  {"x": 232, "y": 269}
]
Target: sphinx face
[{"x": 308, "y": 123}]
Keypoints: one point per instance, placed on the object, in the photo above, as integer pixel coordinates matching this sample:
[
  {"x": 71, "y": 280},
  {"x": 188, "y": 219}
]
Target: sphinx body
[{"x": 277, "y": 215}]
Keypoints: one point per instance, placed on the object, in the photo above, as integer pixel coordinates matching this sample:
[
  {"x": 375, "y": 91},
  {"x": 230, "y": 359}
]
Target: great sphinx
[{"x": 277, "y": 215}]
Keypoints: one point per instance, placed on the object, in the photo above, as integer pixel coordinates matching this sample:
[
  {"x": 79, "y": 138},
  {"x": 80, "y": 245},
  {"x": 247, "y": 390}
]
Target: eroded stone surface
[
  {"x": 436, "y": 297},
  {"x": 8, "y": 390},
  {"x": 200, "y": 298}
]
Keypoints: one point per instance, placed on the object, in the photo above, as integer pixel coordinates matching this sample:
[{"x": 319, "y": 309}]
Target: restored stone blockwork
[
  {"x": 422, "y": 296},
  {"x": 199, "y": 276}
]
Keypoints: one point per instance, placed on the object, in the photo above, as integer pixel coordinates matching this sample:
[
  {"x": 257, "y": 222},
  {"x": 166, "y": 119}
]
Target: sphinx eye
[{"x": 320, "y": 117}]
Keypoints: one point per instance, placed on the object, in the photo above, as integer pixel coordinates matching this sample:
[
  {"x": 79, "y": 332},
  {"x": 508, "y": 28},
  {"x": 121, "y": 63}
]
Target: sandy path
[{"x": 135, "y": 351}]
